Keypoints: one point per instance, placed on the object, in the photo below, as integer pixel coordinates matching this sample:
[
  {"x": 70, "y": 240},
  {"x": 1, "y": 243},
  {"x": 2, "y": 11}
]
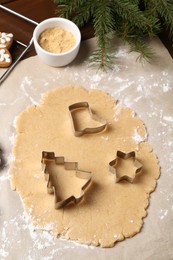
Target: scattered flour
[
  {"x": 163, "y": 213},
  {"x": 168, "y": 118},
  {"x": 26, "y": 83},
  {"x": 137, "y": 137},
  {"x": 166, "y": 87},
  {"x": 121, "y": 53},
  {"x": 42, "y": 242}
]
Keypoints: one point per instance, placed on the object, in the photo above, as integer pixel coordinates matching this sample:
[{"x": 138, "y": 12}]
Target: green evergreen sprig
[{"x": 133, "y": 21}]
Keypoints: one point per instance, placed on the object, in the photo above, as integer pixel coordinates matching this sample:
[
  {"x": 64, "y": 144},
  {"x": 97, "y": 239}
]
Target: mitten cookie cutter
[
  {"x": 49, "y": 157},
  {"x": 89, "y": 130},
  {"x": 125, "y": 156}
]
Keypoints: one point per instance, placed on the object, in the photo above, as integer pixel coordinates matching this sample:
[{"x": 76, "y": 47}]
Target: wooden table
[{"x": 38, "y": 11}]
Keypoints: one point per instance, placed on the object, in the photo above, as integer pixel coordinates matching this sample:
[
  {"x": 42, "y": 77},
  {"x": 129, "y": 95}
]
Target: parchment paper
[{"x": 148, "y": 90}]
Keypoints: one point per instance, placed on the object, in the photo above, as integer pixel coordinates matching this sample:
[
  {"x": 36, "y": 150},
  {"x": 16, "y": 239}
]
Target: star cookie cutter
[
  {"x": 113, "y": 165},
  {"x": 49, "y": 157},
  {"x": 79, "y": 132}
]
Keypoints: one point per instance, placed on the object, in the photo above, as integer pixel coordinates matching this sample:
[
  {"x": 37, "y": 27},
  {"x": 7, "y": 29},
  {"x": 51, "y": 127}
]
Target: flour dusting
[
  {"x": 137, "y": 137},
  {"x": 163, "y": 213},
  {"x": 145, "y": 90},
  {"x": 168, "y": 118},
  {"x": 25, "y": 87}
]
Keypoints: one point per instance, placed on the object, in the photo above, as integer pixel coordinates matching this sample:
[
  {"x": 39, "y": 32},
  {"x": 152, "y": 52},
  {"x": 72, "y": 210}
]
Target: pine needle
[
  {"x": 131, "y": 20},
  {"x": 146, "y": 53}
]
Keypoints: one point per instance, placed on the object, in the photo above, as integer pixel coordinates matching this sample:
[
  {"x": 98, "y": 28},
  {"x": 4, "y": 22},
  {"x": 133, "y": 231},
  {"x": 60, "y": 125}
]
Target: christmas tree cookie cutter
[
  {"x": 89, "y": 130},
  {"x": 49, "y": 157},
  {"x": 121, "y": 156}
]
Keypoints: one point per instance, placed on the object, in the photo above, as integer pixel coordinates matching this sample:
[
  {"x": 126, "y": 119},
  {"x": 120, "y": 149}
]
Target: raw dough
[{"x": 110, "y": 211}]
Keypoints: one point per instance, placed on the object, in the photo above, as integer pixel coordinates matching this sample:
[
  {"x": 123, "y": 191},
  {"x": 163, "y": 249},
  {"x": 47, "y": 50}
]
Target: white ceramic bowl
[{"x": 57, "y": 59}]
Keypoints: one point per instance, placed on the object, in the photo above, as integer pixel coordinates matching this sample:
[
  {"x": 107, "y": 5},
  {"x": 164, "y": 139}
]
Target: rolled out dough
[{"x": 110, "y": 211}]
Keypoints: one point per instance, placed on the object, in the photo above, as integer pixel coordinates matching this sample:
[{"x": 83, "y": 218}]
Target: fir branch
[
  {"x": 84, "y": 13},
  {"x": 104, "y": 26},
  {"x": 136, "y": 2},
  {"x": 65, "y": 8},
  {"x": 146, "y": 53},
  {"x": 162, "y": 9},
  {"x": 103, "y": 22},
  {"x": 132, "y": 20},
  {"x": 165, "y": 9},
  {"x": 135, "y": 17},
  {"x": 96, "y": 59},
  {"x": 79, "y": 11}
]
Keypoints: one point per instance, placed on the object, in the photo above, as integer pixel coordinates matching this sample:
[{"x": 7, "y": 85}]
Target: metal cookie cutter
[
  {"x": 121, "y": 156},
  {"x": 49, "y": 157},
  {"x": 84, "y": 105}
]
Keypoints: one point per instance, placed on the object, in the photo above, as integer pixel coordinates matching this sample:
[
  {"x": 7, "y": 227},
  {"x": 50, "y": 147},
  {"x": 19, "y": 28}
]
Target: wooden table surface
[{"x": 39, "y": 10}]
